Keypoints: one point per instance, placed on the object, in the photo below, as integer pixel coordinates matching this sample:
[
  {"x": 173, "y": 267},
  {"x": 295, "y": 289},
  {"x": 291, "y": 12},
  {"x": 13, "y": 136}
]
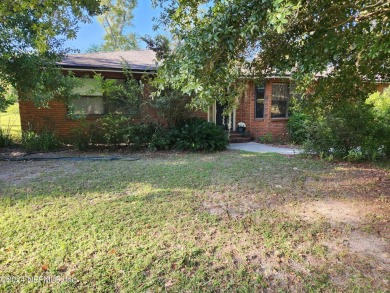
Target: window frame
[
  {"x": 286, "y": 116},
  {"x": 105, "y": 100},
  {"x": 262, "y": 85}
]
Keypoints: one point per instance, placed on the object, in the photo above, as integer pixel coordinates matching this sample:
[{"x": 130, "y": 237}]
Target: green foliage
[
  {"x": 81, "y": 136},
  {"x": 161, "y": 139},
  {"x": 116, "y": 20},
  {"x": 159, "y": 44},
  {"x": 199, "y": 135},
  {"x": 194, "y": 135},
  {"x": 31, "y": 41},
  {"x": 122, "y": 98},
  {"x": 352, "y": 131},
  {"x": 380, "y": 110},
  {"x": 297, "y": 127},
  {"x": 140, "y": 135},
  {"x": 380, "y": 103},
  {"x": 43, "y": 141},
  {"x": 5, "y": 137},
  {"x": 218, "y": 39},
  {"x": 266, "y": 138},
  {"x": 172, "y": 107},
  {"x": 112, "y": 129},
  {"x": 355, "y": 155}
]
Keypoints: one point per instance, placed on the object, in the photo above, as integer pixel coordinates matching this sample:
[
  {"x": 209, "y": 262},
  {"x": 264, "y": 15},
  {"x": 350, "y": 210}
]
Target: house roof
[{"x": 137, "y": 60}]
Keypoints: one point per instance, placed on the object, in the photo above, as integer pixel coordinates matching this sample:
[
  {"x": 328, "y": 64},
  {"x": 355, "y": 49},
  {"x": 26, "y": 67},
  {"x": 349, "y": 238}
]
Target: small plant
[
  {"x": 355, "y": 155},
  {"x": 5, "y": 137},
  {"x": 241, "y": 124},
  {"x": 44, "y": 141},
  {"x": 81, "y": 136},
  {"x": 266, "y": 138}
]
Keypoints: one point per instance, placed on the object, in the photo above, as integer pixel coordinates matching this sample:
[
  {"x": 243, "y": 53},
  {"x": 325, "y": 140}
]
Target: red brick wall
[
  {"x": 260, "y": 126},
  {"x": 55, "y": 118}
]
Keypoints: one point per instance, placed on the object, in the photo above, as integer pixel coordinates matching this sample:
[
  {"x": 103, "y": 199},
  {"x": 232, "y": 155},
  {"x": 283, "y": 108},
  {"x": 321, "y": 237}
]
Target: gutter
[{"x": 114, "y": 70}]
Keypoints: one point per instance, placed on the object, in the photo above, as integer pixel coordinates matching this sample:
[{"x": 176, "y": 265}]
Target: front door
[{"x": 223, "y": 120}]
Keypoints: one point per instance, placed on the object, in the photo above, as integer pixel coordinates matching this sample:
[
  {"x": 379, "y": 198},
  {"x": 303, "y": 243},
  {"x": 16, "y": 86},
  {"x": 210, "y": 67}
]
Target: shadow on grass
[{"x": 161, "y": 223}]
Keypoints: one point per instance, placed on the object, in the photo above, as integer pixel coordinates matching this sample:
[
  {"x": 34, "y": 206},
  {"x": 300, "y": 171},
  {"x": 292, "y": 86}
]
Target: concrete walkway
[{"x": 262, "y": 148}]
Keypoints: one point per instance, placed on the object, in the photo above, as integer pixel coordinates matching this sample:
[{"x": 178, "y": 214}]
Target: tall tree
[
  {"x": 116, "y": 21},
  {"x": 32, "y": 33},
  {"x": 341, "y": 39}
]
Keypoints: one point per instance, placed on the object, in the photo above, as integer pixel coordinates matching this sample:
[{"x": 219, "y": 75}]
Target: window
[
  {"x": 90, "y": 101},
  {"x": 280, "y": 97},
  {"x": 259, "y": 101},
  {"x": 88, "y": 105},
  {"x": 93, "y": 102},
  {"x": 117, "y": 102}
]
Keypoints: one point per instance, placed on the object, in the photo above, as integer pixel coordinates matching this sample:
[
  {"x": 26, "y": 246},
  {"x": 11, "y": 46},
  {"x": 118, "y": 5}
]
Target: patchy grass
[
  {"x": 10, "y": 120},
  {"x": 231, "y": 221}
]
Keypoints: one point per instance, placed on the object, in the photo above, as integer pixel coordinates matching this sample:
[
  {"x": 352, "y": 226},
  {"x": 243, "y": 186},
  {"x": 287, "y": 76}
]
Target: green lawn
[
  {"x": 231, "y": 221},
  {"x": 10, "y": 121}
]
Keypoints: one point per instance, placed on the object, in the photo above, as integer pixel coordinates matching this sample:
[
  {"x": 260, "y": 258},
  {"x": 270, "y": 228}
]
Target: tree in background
[
  {"x": 159, "y": 44},
  {"x": 116, "y": 20},
  {"x": 32, "y": 34},
  {"x": 219, "y": 41}
]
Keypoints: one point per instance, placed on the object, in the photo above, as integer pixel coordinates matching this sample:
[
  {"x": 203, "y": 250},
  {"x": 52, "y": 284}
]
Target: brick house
[{"x": 263, "y": 107}]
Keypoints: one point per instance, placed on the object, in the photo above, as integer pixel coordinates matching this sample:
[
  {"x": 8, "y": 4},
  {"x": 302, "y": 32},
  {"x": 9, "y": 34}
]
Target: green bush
[
  {"x": 140, "y": 135},
  {"x": 43, "y": 141},
  {"x": 5, "y": 137},
  {"x": 266, "y": 138},
  {"x": 195, "y": 135},
  {"x": 162, "y": 139},
  {"x": 297, "y": 127},
  {"x": 199, "y": 135},
  {"x": 111, "y": 129},
  {"x": 81, "y": 136},
  {"x": 352, "y": 133}
]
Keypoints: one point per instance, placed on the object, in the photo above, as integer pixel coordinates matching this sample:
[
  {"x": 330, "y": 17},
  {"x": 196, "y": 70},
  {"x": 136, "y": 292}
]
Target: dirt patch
[
  {"x": 336, "y": 211},
  {"x": 360, "y": 229},
  {"x": 232, "y": 203},
  {"x": 18, "y": 173}
]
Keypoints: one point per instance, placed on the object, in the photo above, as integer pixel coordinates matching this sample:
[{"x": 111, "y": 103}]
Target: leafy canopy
[
  {"x": 32, "y": 33},
  {"x": 220, "y": 41}
]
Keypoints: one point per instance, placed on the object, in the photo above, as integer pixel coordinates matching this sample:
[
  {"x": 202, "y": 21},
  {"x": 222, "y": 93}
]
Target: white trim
[{"x": 234, "y": 119}]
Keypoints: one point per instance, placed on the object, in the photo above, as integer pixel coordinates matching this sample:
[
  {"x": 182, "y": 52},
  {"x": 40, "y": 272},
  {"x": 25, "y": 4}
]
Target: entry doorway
[{"x": 215, "y": 115}]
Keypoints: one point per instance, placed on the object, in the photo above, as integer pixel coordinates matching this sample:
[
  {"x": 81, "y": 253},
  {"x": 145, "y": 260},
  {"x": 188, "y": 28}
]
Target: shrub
[
  {"x": 44, "y": 141},
  {"x": 297, "y": 127},
  {"x": 199, "y": 135},
  {"x": 172, "y": 107},
  {"x": 266, "y": 138},
  {"x": 139, "y": 135},
  {"x": 162, "y": 139},
  {"x": 5, "y": 137},
  {"x": 81, "y": 136},
  {"x": 352, "y": 133},
  {"x": 112, "y": 129}
]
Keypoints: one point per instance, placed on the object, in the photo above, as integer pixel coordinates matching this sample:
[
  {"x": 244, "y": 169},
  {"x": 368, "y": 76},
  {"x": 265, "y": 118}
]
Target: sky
[{"x": 92, "y": 33}]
